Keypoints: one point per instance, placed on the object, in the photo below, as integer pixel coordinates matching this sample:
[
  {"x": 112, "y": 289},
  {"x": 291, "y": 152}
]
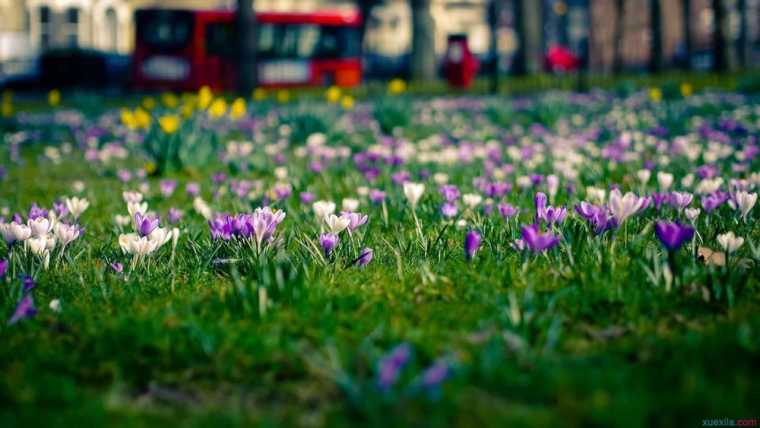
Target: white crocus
[
  {"x": 201, "y": 207},
  {"x": 350, "y": 204},
  {"x": 66, "y": 233},
  {"x": 413, "y": 192},
  {"x": 76, "y": 206},
  {"x": 744, "y": 202},
  {"x": 472, "y": 200},
  {"x": 664, "y": 180},
  {"x": 336, "y": 224},
  {"x": 132, "y": 197},
  {"x": 21, "y": 232},
  {"x": 322, "y": 209},
  {"x": 624, "y": 206},
  {"x": 644, "y": 175},
  {"x": 122, "y": 220},
  {"x": 692, "y": 213},
  {"x": 40, "y": 226},
  {"x": 55, "y": 305},
  {"x": 730, "y": 242}
]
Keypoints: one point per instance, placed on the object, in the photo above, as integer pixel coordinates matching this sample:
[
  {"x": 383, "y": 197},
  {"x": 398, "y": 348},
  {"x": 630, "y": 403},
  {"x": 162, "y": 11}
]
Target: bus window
[
  {"x": 165, "y": 29},
  {"x": 306, "y": 41},
  {"x": 220, "y": 39}
]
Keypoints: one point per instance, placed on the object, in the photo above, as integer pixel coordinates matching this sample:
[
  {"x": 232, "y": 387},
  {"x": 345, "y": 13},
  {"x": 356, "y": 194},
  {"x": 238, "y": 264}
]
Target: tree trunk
[
  {"x": 423, "y": 61},
  {"x": 494, "y": 14},
  {"x": 246, "y": 30},
  {"x": 529, "y": 28},
  {"x": 687, "y": 40},
  {"x": 655, "y": 31},
  {"x": 742, "y": 45},
  {"x": 617, "y": 61},
  {"x": 720, "y": 60},
  {"x": 365, "y": 8}
]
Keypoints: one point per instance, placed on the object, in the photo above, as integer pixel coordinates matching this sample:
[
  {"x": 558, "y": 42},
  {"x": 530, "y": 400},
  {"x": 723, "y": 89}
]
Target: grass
[{"x": 584, "y": 335}]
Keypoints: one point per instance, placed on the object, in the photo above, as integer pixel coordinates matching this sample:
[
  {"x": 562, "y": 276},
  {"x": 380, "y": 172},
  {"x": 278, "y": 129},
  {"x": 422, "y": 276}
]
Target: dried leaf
[{"x": 711, "y": 257}]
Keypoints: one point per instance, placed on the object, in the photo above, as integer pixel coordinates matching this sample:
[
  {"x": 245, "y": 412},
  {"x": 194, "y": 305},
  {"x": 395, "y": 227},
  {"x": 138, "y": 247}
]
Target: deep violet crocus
[
  {"x": 538, "y": 241},
  {"x": 365, "y": 257},
  {"x": 472, "y": 240},
  {"x": 507, "y": 211},
  {"x": 24, "y": 310},
  {"x": 389, "y": 367},
  {"x": 328, "y": 241},
  {"x": 145, "y": 224},
  {"x": 673, "y": 235}
]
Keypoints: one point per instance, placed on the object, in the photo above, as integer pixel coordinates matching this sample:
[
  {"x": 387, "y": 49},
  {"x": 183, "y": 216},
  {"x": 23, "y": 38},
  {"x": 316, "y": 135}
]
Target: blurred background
[{"x": 243, "y": 44}]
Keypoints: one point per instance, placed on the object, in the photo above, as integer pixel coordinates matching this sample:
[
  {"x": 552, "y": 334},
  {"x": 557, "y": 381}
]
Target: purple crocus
[
  {"x": 117, "y": 267},
  {"x": 434, "y": 375},
  {"x": 167, "y": 187},
  {"x": 328, "y": 241},
  {"x": 24, "y": 310},
  {"x": 673, "y": 235},
  {"x": 537, "y": 241},
  {"x": 472, "y": 240},
  {"x": 174, "y": 216},
  {"x": 449, "y": 192},
  {"x": 449, "y": 210},
  {"x": 60, "y": 209},
  {"x": 548, "y": 214},
  {"x": 376, "y": 196},
  {"x": 193, "y": 189},
  {"x": 598, "y": 217},
  {"x": 355, "y": 220},
  {"x": 507, "y": 211},
  {"x": 365, "y": 257},
  {"x": 37, "y": 212},
  {"x": 680, "y": 200},
  {"x": 28, "y": 284},
  {"x": 3, "y": 267},
  {"x": 389, "y": 367},
  {"x": 145, "y": 224},
  {"x": 307, "y": 198},
  {"x": 714, "y": 200}
]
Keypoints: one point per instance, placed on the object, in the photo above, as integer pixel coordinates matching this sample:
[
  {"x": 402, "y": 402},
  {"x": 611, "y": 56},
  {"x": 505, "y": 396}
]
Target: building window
[
  {"x": 44, "y": 18},
  {"x": 72, "y": 27},
  {"x": 112, "y": 30}
]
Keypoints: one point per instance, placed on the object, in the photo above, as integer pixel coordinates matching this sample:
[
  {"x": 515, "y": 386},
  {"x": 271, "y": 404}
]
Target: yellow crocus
[
  {"x": 149, "y": 103},
  {"x": 205, "y": 96},
  {"x": 238, "y": 109},
  {"x": 333, "y": 94},
  {"x": 686, "y": 89},
  {"x": 347, "y": 102},
  {"x": 54, "y": 97},
  {"x": 128, "y": 118},
  {"x": 655, "y": 94},
  {"x": 142, "y": 118},
  {"x": 397, "y": 86},
  {"x": 283, "y": 95},
  {"x": 170, "y": 100},
  {"x": 218, "y": 108},
  {"x": 169, "y": 123},
  {"x": 259, "y": 94}
]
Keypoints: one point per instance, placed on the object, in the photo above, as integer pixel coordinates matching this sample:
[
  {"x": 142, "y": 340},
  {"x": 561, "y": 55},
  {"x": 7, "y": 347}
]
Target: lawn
[{"x": 557, "y": 259}]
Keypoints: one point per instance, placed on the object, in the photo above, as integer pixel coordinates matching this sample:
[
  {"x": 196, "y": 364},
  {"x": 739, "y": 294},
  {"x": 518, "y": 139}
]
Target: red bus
[{"x": 188, "y": 49}]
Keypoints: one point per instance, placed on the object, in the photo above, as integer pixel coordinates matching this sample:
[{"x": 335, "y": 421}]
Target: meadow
[{"x": 551, "y": 259}]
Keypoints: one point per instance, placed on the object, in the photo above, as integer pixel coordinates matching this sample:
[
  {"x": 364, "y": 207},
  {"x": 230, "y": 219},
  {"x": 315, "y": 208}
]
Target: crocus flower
[
  {"x": 538, "y": 241},
  {"x": 3, "y": 267},
  {"x": 434, "y": 375},
  {"x": 744, "y": 202},
  {"x": 449, "y": 192},
  {"x": 413, "y": 192},
  {"x": 37, "y": 212},
  {"x": 507, "y": 211},
  {"x": 389, "y": 367},
  {"x": 355, "y": 220},
  {"x": 76, "y": 206},
  {"x": 680, "y": 200},
  {"x": 145, "y": 224},
  {"x": 365, "y": 257},
  {"x": 449, "y": 210},
  {"x": 622, "y": 207},
  {"x": 472, "y": 240},
  {"x": 193, "y": 189},
  {"x": 328, "y": 241},
  {"x": 117, "y": 267},
  {"x": 167, "y": 187},
  {"x": 24, "y": 310},
  {"x": 66, "y": 233},
  {"x": 322, "y": 209},
  {"x": 337, "y": 224},
  {"x": 307, "y": 197},
  {"x": 376, "y": 196},
  {"x": 673, "y": 235},
  {"x": 174, "y": 215},
  {"x": 713, "y": 200},
  {"x": 730, "y": 242}
]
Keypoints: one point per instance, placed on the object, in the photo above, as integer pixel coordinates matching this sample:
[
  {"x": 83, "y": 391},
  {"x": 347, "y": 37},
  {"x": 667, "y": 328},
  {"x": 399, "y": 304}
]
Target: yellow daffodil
[
  {"x": 333, "y": 94},
  {"x": 142, "y": 118},
  {"x": 655, "y": 94},
  {"x": 347, "y": 102},
  {"x": 169, "y": 123},
  {"x": 54, "y": 97},
  {"x": 205, "y": 97},
  {"x": 260, "y": 94},
  {"x": 283, "y": 96},
  {"x": 169, "y": 100},
  {"x": 396, "y": 86},
  {"x": 686, "y": 89},
  {"x": 187, "y": 110},
  {"x": 238, "y": 109},
  {"x": 218, "y": 108}
]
